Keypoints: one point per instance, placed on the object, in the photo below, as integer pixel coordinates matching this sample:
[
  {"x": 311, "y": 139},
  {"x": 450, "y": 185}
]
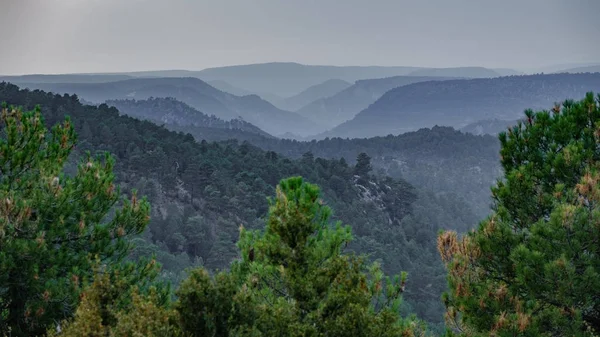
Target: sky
[{"x": 71, "y": 36}]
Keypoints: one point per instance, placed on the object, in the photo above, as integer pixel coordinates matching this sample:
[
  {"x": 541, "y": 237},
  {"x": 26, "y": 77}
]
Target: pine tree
[
  {"x": 294, "y": 280},
  {"x": 53, "y": 225},
  {"x": 363, "y": 165},
  {"x": 533, "y": 267}
]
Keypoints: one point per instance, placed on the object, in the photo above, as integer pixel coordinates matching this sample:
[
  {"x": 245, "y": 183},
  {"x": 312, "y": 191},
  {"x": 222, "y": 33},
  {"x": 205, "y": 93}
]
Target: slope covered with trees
[
  {"x": 178, "y": 115},
  {"x": 440, "y": 159},
  {"x": 201, "y": 192},
  {"x": 459, "y": 102}
]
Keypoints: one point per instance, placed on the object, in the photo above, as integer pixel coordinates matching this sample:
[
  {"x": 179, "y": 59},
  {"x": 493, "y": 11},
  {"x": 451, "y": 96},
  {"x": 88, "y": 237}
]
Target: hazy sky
[{"x": 58, "y": 36}]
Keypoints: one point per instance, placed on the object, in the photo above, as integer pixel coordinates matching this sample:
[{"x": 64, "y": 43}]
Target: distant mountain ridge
[
  {"x": 344, "y": 105},
  {"x": 195, "y": 93},
  {"x": 587, "y": 69},
  {"x": 315, "y": 92},
  {"x": 459, "y": 102},
  {"x": 173, "y": 112},
  {"x": 467, "y": 72}
]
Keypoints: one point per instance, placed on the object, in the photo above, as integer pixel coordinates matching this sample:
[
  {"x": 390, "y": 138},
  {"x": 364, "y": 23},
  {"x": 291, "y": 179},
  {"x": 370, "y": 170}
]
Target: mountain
[
  {"x": 202, "y": 192},
  {"x": 179, "y": 116},
  {"x": 467, "y": 72},
  {"x": 343, "y": 106},
  {"x": 315, "y": 92},
  {"x": 460, "y": 102},
  {"x": 195, "y": 93},
  {"x": 488, "y": 126},
  {"x": 286, "y": 79},
  {"x": 226, "y": 87},
  {"x": 587, "y": 69}
]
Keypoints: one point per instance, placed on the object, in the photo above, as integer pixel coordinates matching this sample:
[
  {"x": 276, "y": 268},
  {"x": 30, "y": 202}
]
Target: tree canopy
[
  {"x": 54, "y": 226},
  {"x": 533, "y": 267}
]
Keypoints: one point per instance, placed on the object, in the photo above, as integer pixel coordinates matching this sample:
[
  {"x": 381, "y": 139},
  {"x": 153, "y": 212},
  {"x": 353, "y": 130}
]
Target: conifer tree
[
  {"x": 294, "y": 280},
  {"x": 363, "y": 165},
  {"x": 533, "y": 267},
  {"x": 52, "y": 225}
]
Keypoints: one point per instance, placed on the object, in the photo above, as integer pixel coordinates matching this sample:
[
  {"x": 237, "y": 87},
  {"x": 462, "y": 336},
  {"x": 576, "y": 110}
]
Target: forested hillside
[
  {"x": 201, "y": 192},
  {"x": 177, "y": 114},
  {"x": 440, "y": 159},
  {"x": 457, "y": 103},
  {"x": 195, "y": 93}
]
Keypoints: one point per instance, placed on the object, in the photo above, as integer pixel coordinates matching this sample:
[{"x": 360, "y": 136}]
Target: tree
[
  {"x": 103, "y": 313},
  {"x": 363, "y": 165},
  {"x": 533, "y": 267},
  {"x": 51, "y": 224},
  {"x": 294, "y": 280}
]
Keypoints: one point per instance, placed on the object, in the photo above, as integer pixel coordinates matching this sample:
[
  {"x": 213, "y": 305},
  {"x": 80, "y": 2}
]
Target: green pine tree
[
  {"x": 54, "y": 226},
  {"x": 533, "y": 267},
  {"x": 294, "y": 280}
]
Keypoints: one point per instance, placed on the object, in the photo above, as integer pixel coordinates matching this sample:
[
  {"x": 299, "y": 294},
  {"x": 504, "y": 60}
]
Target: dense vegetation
[
  {"x": 533, "y": 267},
  {"x": 201, "y": 192}
]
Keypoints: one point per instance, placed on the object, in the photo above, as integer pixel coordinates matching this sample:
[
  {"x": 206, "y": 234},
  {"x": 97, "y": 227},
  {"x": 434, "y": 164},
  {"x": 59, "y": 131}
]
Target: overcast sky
[{"x": 67, "y": 36}]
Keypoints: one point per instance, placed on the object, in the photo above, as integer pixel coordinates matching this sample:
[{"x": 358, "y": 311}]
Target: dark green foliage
[
  {"x": 294, "y": 280},
  {"x": 53, "y": 225},
  {"x": 533, "y": 267}
]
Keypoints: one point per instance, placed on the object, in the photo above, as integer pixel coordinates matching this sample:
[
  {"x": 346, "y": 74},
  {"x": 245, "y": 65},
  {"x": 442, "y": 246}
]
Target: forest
[{"x": 116, "y": 226}]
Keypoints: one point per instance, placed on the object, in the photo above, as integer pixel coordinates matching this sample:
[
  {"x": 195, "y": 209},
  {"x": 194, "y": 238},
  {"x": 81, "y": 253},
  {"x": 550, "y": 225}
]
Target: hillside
[
  {"x": 315, "y": 92},
  {"x": 195, "y": 93},
  {"x": 178, "y": 116},
  {"x": 343, "y": 106},
  {"x": 201, "y": 192},
  {"x": 457, "y": 103},
  {"x": 467, "y": 72},
  {"x": 441, "y": 160}
]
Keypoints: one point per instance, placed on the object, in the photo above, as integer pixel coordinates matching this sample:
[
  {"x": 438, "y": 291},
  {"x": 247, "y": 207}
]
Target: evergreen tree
[
  {"x": 51, "y": 224},
  {"x": 294, "y": 280},
  {"x": 533, "y": 267},
  {"x": 363, "y": 165}
]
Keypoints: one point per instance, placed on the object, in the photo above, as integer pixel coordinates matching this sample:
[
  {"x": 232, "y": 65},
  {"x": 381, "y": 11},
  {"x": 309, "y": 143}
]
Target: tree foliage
[
  {"x": 294, "y": 280},
  {"x": 533, "y": 267},
  {"x": 52, "y": 224}
]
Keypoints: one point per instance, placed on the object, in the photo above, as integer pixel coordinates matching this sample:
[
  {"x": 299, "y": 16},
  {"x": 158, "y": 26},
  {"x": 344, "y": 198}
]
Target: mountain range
[
  {"x": 195, "y": 93},
  {"x": 457, "y": 103},
  {"x": 344, "y": 105}
]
